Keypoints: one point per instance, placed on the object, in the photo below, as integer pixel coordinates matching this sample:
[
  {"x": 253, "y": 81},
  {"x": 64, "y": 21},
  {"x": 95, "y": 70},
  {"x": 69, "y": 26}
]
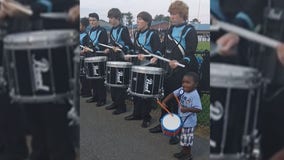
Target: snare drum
[
  {"x": 171, "y": 124},
  {"x": 234, "y": 97},
  {"x": 118, "y": 74},
  {"x": 40, "y": 65},
  {"x": 95, "y": 67},
  {"x": 146, "y": 82}
]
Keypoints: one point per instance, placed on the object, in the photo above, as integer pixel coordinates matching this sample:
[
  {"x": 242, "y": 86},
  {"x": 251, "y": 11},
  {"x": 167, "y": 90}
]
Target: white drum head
[{"x": 171, "y": 122}]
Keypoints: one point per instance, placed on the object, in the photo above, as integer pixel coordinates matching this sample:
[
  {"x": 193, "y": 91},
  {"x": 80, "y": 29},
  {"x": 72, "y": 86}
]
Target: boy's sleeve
[
  {"x": 196, "y": 102},
  {"x": 177, "y": 91}
]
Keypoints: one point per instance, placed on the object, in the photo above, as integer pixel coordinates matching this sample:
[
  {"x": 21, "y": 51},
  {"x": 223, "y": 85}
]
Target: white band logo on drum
[
  {"x": 216, "y": 111},
  {"x": 119, "y": 75},
  {"x": 39, "y": 67},
  {"x": 95, "y": 68},
  {"x": 146, "y": 84}
]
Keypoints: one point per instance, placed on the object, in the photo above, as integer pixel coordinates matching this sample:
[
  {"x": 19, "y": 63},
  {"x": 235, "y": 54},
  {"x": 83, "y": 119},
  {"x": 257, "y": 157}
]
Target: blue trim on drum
[{"x": 163, "y": 128}]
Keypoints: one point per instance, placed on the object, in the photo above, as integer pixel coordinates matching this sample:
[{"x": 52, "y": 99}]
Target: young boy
[{"x": 190, "y": 104}]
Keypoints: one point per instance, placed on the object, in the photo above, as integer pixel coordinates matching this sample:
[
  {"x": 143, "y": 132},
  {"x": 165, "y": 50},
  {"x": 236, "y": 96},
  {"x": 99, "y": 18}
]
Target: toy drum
[{"x": 171, "y": 124}]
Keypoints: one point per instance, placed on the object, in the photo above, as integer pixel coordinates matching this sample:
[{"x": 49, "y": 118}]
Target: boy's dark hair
[
  {"x": 194, "y": 76},
  {"x": 146, "y": 17},
  {"x": 114, "y": 13},
  {"x": 94, "y": 15},
  {"x": 84, "y": 21}
]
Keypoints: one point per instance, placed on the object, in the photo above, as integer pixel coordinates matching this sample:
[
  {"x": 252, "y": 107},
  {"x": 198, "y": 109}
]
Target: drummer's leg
[
  {"x": 101, "y": 92},
  {"x": 146, "y": 107}
]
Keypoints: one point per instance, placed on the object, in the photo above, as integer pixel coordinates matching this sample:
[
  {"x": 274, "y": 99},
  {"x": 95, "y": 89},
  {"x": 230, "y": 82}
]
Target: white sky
[{"x": 197, "y": 8}]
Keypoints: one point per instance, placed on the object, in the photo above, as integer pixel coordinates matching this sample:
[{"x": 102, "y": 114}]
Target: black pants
[
  {"x": 142, "y": 108},
  {"x": 99, "y": 89},
  {"x": 271, "y": 125},
  {"x": 12, "y": 131},
  {"x": 85, "y": 86},
  {"x": 118, "y": 96},
  {"x": 51, "y": 135}
]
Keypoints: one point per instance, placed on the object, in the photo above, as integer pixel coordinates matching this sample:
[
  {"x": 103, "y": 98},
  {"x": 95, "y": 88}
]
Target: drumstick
[
  {"x": 19, "y": 7},
  {"x": 248, "y": 34},
  {"x": 165, "y": 108},
  {"x": 131, "y": 56},
  {"x": 87, "y": 48},
  {"x": 111, "y": 47},
  {"x": 165, "y": 59}
]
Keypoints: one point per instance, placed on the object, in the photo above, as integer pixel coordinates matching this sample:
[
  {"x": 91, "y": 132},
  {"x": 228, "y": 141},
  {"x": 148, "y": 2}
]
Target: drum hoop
[
  {"x": 117, "y": 85},
  {"x": 172, "y": 129},
  {"x": 144, "y": 95},
  {"x": 66, "y": 38},
  {"x": 54, "y": 98},
  {"x": 119, "y": 64},
  {"x": 147, "y": 70},
  {"x": 96, "y": 59}
]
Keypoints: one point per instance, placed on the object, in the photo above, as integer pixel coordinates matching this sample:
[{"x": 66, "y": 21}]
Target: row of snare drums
[{"x": 142, "y": 81}]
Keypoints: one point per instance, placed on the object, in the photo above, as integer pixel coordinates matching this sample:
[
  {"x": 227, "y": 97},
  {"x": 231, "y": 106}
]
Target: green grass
[
  {"x": 204, "y": 115},
  {"x": 203, "y": 46}
]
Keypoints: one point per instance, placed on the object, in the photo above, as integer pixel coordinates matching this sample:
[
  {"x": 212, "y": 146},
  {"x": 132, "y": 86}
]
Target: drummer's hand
[
  {"x": 126, "y": 57},
  {"x": 141, "y": 57},
  {"x": 228, "y": 44},
  {"x": 10, "y": 10},
  {"x": 115, "y": 49},
  {"x": 280, "y": 53},
  {"x": 2, "y": 13},
  {"x": 173, "y": 64},
  {"x": 153, "y": 60},
  {"x": 106, "y": 51},
  {"x": 85, "y": 50},
  {"x": 74, "y": 13}
]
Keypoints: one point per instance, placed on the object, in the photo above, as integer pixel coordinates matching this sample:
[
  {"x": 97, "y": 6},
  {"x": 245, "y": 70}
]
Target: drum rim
[
  {"x": 144, "y": 95},
  {"x": 119, "y": 64},
  {"x": 145, "y": 70},
  {"x": 32, "y": 40},
  {"x": 172, "y": 129},
  {"x": 97, "y": 58}
]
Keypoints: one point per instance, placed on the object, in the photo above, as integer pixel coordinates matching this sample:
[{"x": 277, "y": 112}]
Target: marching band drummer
[
  {"x": 179, "y": 45},
  {"x": 97, "y": 35},
  {"x": 84, "y": 41},
  {"x": 145, "y": 40},
  {"x": 120, "y": 39}
]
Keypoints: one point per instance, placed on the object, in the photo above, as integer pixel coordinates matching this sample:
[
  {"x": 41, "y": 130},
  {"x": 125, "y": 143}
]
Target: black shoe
[
  {"x": 99, "y": 104},
  {"x": 91, "y": 100},
  {"x": 186, "y": 157},
  {"x": 146, "y": 123},
  {"x": 179, "y": 154},
  {"x": 174, "y": 140},
  {"x": 110, "y": 107},
  {"x": 156, "y": 129},
  {"x": 116, "y": 112},
  {"x": 132, "y": 117}
]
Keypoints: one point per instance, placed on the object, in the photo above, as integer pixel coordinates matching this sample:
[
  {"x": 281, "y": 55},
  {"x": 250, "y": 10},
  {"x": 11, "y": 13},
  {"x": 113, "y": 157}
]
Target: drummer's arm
[
  {"x": 156, "y": 47},
  {"x": 193, "y": 110},
  {"x": 103, "y": 39},
  {"x": 168, "y": 97},
  {"x": 191, "y": 46}
]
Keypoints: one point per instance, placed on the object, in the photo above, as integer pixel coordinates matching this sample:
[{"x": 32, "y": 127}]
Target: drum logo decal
[
  {"x": 119, "y": 74},
  {"x": 95, "y": 68},
  {"x": 146, "y": 85},
  {"x": 39, "y": 67},
  {"x": 216, "y": 111}
]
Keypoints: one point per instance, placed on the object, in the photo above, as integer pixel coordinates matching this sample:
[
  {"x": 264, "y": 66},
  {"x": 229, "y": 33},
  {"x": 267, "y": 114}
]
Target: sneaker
[
  {"x": 174, "y": 140},
  {"x": 179, "y": 154},
  {"x": 157, "y": 129},
  {"x": 186, "y": 157},
  {"x": 99, "y": 104},
  {"x": 145, "y": 124},
  {"x": 91, "y": 100}
]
